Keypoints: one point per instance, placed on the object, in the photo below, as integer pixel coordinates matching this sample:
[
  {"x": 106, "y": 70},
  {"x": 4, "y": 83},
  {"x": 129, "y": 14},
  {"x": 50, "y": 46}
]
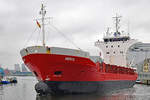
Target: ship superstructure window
[
  {"x": 116, "y": 39},
  {"x": 121, "y": 52},
  {"x": 107, "y": 52},
  {"x": 111, "y": 40},
  {"x": 106, "y": 40}
]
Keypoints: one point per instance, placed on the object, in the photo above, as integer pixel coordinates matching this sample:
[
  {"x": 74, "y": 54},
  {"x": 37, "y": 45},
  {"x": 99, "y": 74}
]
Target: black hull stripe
[{"x": 57, "y": 87}]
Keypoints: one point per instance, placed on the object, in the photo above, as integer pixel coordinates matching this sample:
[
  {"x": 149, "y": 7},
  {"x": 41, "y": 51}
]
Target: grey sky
[{"x": 82, "y": 21}]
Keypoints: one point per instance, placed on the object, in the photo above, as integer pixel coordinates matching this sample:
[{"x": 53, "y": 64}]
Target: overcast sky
[{"x": 82, "y": 21}]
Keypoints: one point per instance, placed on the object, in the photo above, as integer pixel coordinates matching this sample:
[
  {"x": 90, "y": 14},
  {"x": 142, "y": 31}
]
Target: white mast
[
  {"x": 43, "y": 12},
  {"x": 117, "y": 20}
]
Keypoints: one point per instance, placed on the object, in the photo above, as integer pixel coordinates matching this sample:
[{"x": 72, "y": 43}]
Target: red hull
[{"x": 78, "y": 69}]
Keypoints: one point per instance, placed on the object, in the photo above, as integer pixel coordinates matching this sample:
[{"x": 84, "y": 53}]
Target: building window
[
  {"x": 118, "y": 45},
  {"x": 107, "y": 46},
  {"x": 107, "y": 52},
  {"x": 112, "y": 46},
  {"x": 114, "y": 52}
]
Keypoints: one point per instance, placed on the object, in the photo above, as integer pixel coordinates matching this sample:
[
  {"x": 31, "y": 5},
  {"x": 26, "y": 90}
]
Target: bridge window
[
  {"x": 111, "y": 40},
  {"x": 116, "y": 39},
  {"x": 106, "y": 40}
]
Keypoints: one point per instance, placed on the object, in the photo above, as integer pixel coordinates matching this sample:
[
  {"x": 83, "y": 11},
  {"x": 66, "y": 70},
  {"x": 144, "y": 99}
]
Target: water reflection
[
  {"x": 118, "y": 95},
  {"x": 1, "y": 92},
  {"x": 23, "y": 90}
]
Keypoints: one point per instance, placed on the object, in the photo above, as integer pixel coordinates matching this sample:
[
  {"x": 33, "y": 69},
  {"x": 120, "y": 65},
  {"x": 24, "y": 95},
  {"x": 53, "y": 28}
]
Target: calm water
[{"x": 24, "y": 90}]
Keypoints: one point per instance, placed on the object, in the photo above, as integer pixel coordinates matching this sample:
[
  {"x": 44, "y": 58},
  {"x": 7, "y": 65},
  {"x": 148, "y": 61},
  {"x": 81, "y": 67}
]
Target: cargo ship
[{"x": 64, "y": 71}]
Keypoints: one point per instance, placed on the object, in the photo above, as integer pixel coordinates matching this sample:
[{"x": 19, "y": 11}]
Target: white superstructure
[{"x": 114, "y": 47}]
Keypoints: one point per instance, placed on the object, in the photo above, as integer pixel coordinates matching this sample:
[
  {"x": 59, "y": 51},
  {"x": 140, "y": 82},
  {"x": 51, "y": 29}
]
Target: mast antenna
[
  {"x": 117, "y": 20},
  {"x": 107, "y": 32},
  {"x": 128, "y": 27}
]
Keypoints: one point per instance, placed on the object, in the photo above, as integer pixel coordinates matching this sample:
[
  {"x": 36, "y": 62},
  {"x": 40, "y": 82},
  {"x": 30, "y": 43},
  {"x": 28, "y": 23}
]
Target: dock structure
[
  {"x": 139, "y": 57},
  {"x": 144, "y": 77}
]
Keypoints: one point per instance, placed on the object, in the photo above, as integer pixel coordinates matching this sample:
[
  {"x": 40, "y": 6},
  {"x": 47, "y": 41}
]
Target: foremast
[{"x": 43, "y": 13}]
